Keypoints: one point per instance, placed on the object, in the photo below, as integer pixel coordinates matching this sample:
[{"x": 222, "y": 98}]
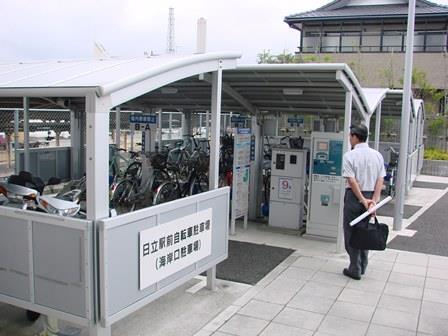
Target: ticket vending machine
[
  {"x": 288, "y": 176},
  {"x": 325, "y": 185}
]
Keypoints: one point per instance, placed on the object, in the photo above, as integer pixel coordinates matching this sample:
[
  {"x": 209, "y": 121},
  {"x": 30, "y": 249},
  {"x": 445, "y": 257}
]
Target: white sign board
[
  {"x": 241, "y": 169},
  {"x": 171, "y": 247},
  {"x": 285, "y": 188}
]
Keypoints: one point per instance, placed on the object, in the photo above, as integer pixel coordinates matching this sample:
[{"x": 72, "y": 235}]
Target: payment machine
[
  {"x": 288, "y": 176},
  {"x": 325, "y": 185}
]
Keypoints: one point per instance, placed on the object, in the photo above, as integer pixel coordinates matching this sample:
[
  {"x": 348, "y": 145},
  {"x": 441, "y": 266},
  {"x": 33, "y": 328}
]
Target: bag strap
[{"x": 376, "y": 222}]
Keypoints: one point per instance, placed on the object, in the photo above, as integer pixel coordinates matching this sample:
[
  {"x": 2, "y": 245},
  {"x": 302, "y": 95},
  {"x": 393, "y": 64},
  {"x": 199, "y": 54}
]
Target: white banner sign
[
  {"x": 241, "y": 170},
  {"x": 170, "y": 247}
]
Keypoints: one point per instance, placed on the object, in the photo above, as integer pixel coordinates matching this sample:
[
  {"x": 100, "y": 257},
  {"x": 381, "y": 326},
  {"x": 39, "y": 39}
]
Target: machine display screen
[{"x": 322, "y": 146}]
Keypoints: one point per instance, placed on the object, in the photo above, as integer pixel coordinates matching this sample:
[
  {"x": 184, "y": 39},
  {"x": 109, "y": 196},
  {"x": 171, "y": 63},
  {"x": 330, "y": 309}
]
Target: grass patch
[{"x": 435, "y": 154}]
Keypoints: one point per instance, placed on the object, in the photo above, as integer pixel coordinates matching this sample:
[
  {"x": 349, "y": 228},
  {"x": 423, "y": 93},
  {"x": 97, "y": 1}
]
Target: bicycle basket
[
  {"x": 158, "y": 161},
  {"x": 296, "y": 143}
]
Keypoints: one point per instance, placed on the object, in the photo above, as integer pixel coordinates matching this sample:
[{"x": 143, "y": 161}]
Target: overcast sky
[{"x": 61, "y": 29}]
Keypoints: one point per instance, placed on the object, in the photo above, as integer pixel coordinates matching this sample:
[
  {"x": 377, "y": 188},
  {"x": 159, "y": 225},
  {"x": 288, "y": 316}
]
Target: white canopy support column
[
  {"x": 215, "y": 129},
  {"x": 26, "y": 133},
  {"x": 367, "y": 123},
  {"x": 256, "y": 168},
  {"x": 214, "y": 150},
  {"x": 182, "y": 124},
  {"x": 159, "y": 128},
  {"x": 377, "y": 127},
  {"x": 405, "y": 117},
  {"x": 76, "y": 144},
  {"x": 186, "y": 123},
  {"x": 345, "y": 149},
  {"x": 16, "y": 140},
  {"x": 132, "y": 135},
  {"x": 170, "y": 125},
  {"x": 97, "y": 164},
  {"x": 207, "y": 125},
  {"x": 97, "y": 160},
  {"x": 118, "y": 126}
]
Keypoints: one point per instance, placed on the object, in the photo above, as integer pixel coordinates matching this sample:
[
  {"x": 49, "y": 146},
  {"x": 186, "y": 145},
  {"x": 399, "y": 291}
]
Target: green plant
[
  {"x": 265, "y": 57},
  {"x": 435, "y": 154},
  {"x": 436, "y": 126},
  {"x": 388, "y": 72},
  {"x": 328, "y": 58},
  {"x": 286, "y": 58}
]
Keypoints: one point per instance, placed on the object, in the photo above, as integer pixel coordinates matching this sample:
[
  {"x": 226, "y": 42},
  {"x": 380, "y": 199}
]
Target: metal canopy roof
[
  {"x": 295, "y": 88},
  {"x": 183, "y": 83},
  {"x": 391, "y": 104},
  {"x": 121, "y": 79}
]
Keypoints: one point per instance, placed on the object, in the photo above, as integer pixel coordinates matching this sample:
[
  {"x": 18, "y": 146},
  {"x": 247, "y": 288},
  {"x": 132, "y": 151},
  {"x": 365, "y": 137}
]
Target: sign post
[
  {"x": 240, "y": 183},
  {"x": 145, "y": 123}
]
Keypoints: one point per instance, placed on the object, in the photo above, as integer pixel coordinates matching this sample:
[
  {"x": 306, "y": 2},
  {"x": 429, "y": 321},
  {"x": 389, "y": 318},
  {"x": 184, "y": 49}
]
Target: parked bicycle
[
  {"x": 196, "y": 182},
  {"x": 391, "y": 172},
  {"x": 141, "y": 179}
]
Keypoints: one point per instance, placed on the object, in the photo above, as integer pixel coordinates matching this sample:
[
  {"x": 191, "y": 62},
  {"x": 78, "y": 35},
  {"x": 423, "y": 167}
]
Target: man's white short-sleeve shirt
[{"x": 365, "y": 164}]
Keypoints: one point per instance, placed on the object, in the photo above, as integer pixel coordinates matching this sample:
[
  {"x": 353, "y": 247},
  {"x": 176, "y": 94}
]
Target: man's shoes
[{"x": 347, "y": 273}]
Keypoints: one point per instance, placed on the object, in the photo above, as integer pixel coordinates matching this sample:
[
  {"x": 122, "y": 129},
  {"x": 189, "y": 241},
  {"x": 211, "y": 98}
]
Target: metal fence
[{"x": 48, "y": 128}]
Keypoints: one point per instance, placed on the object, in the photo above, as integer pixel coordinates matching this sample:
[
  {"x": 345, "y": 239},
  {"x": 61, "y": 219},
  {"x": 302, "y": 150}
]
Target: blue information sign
[
  {"x": 143, "y": 118},
  {"x": 252, "y": 148},
  {"x": 243, "y": 130},
  {"x": 295, "y": 121}
]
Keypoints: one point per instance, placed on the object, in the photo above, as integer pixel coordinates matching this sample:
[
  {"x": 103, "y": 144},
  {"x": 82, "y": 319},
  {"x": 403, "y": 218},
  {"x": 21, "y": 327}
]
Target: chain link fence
[{"x": 47, "y": 128}]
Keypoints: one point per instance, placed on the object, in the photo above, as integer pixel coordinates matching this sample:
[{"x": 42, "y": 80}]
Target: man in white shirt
[{"x": 363, "y": 168}]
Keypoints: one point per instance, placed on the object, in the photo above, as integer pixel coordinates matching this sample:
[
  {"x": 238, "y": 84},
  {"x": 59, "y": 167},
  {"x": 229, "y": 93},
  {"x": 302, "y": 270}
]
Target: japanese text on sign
[
  {"x": 143, "y": 118},
  {"x": 241, "y": 172},
  {"x": 168, "y": 248}
]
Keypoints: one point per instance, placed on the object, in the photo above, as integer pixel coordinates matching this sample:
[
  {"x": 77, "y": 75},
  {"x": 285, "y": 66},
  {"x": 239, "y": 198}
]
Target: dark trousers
[{"x": 352, "y": 209}]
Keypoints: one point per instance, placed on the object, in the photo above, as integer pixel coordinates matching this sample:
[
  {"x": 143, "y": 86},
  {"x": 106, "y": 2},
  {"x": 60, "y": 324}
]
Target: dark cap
[{"x": 360, "y": 130}]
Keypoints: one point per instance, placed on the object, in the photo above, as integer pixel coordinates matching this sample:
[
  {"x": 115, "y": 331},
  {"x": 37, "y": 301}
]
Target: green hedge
[{"x": 435, "y": 154}]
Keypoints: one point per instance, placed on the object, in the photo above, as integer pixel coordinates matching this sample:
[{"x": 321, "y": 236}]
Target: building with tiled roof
[{"x": 370, "y": 35}]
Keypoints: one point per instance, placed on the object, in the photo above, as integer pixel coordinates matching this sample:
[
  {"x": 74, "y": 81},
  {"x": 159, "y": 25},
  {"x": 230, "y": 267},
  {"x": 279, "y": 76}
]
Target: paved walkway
[{"x": 402, "y": 293}]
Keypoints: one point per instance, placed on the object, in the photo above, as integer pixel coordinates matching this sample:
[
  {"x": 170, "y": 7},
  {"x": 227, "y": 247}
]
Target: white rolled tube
[{"x": 370, "y": 211}]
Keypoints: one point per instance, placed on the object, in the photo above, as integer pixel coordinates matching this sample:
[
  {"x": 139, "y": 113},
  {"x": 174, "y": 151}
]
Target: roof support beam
[
  {"x": 377, "y": 127},
  {"x": 235, "y": 95},
  {"x": 340, "y": 76},
  {"x": 26, "y": 133}
]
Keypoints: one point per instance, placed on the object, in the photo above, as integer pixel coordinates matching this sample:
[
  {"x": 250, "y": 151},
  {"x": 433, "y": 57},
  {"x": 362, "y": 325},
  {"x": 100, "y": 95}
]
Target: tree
[
  {"x": 265, "y": 57},
  {"x": 436, "y": 126}
]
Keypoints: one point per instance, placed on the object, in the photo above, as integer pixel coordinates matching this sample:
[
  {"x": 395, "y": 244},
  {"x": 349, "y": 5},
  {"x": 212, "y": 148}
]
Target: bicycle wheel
[
  {"x": 123, "y": 197},
  {"x": 159, "y": 176},
  {"x": 166, "y": 192},
  {"x": 199, "y": 185},
  {"x": 134, "y": 170}
]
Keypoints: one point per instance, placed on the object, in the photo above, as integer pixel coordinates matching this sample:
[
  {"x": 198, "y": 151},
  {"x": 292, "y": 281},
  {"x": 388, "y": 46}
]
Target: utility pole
[{"x": 405, "y": 117}]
